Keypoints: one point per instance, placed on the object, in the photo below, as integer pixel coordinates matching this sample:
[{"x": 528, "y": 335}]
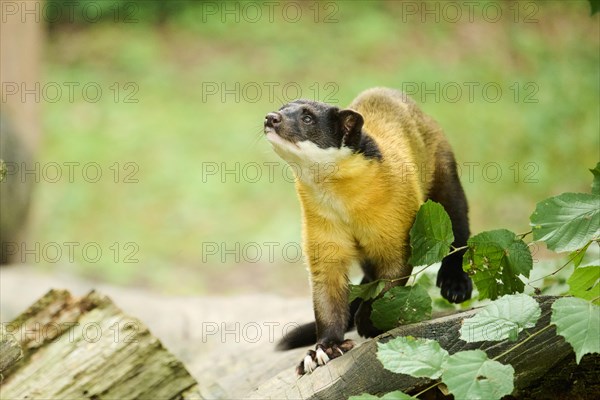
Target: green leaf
[
  {"x": 431, "y": 235},
  {"x": 401, "y": 305},
  {"x": 584, "y": 283},
  {"x": 366, "y": 291},
  {"x": 421, "y": 358},
  {"x": 502, "y": 319},
  {"x": 578, "y": 321},
  {"x": 441, "y": 304},
  {"x": 472, "y": 375},
  {"x": 596, "y": 181},
  {"x": 495, "y": 259},
  {"x": 397, "y": 395},
  {"x": 567, "y": 222},
  {"x": 425, "y": 281},
  {"x": 577, "y": 256},
  {"x": 487, "y": 285}
]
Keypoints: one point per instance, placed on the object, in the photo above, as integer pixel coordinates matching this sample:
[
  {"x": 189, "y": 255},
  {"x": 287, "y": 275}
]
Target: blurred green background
[{"x": 179, "y": 102}]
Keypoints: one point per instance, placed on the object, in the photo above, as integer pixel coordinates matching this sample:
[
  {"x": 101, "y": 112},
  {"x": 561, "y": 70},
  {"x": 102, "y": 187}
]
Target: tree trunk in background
[{"x": 21, "y": 40}]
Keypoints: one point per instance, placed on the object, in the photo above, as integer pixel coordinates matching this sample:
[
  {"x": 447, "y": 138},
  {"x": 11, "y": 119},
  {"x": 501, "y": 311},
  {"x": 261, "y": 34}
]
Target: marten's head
[{"x": 310, "y": 131}]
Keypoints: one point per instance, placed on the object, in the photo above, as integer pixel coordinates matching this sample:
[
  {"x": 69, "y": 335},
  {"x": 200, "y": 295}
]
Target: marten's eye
[{"x": 307, "y": 119}]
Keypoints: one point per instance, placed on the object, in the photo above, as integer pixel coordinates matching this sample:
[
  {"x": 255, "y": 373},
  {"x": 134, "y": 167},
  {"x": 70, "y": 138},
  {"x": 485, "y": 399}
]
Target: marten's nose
[{"x": 272, "y": 119}]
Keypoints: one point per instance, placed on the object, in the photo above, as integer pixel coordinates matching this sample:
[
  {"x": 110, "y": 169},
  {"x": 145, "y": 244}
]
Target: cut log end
[
  {"x": 10, "y": 351},
  {"x": 87, "y": 348}
]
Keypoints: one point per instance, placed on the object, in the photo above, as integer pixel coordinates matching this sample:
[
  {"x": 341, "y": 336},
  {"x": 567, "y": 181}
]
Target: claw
[
  {"x": 309, "y": 364},
  {"x": 322, "y": 357},
  {"x": 455, "y": 288}
]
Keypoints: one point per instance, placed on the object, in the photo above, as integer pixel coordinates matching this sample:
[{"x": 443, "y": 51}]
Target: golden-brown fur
[
  {"x": 361, "y": 181},
  {"x": 366, "y": 207}
]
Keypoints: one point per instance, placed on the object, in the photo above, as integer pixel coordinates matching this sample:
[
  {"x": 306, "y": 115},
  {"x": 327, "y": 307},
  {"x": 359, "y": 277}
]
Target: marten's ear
[{"x": 351, "y": 124}]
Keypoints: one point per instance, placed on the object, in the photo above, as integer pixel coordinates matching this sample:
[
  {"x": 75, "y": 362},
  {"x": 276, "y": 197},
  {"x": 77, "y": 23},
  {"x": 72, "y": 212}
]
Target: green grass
[{"x": 173, "y": 131}]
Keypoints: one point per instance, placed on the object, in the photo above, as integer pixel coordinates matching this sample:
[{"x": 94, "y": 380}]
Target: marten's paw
[
  {"x": 456, "y": 286},
  {"x": 322, "y": 355}
]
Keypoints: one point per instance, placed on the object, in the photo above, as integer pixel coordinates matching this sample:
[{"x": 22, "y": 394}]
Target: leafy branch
[
  {"x": 575, "y": 257},
  {"x": 495, "y": 260}
]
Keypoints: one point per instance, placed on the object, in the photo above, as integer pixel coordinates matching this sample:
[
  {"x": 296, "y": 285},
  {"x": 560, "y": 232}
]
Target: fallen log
[
  {"x": 359, "y": 371},
  {"x": 10, "y": 351},
  {"x": 86, "y": 348}
]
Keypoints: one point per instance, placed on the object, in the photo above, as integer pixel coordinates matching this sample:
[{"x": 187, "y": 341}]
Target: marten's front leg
[{"x": 328, "y": 263}]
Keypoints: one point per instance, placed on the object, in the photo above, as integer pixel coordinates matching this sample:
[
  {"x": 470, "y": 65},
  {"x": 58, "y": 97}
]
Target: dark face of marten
[{"x": 309, "y": 121}]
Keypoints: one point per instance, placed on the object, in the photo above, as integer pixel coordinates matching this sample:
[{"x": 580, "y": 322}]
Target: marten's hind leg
[
  {"x": 394, "y": 271},
  {"x": 446, "y": 189}
]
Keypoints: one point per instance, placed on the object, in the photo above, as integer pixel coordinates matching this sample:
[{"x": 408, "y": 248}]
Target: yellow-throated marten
[{"x": 361, "y": 175}]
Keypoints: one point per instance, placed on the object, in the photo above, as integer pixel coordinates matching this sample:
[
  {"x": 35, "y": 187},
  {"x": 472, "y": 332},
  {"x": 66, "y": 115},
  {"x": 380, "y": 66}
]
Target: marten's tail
[
  {"x": 301, "y": 336},
  {"x": 306, "y": 334}
]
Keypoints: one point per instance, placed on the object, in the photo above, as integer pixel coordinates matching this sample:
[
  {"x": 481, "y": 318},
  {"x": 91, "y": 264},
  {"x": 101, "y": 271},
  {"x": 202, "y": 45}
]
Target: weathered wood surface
[
  {"x": 10, "y": 351},
  {"x": 359, "y": 371},
  {"x": 86, "y": 348},
  {"x": 230, "y": 366},
  {"x": 226, "y": 365}
]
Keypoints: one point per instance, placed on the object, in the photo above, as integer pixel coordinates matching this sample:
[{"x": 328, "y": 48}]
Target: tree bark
[
  {"x": 10, "y": 351},
  {"x": 359, "y": 371},
  {"x": 86, "y": 348},
  {"x": 21, "y": 52}
]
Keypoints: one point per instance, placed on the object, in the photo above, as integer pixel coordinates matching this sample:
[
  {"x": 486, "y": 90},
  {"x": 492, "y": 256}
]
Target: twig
[
  {"x": 523, "y": 235},
  {"x": 455, "y": 250},
  {"x": 524, "y": 341},
  {"x": 574, "y": 256},
  {"x": 428, "y": 388}
]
